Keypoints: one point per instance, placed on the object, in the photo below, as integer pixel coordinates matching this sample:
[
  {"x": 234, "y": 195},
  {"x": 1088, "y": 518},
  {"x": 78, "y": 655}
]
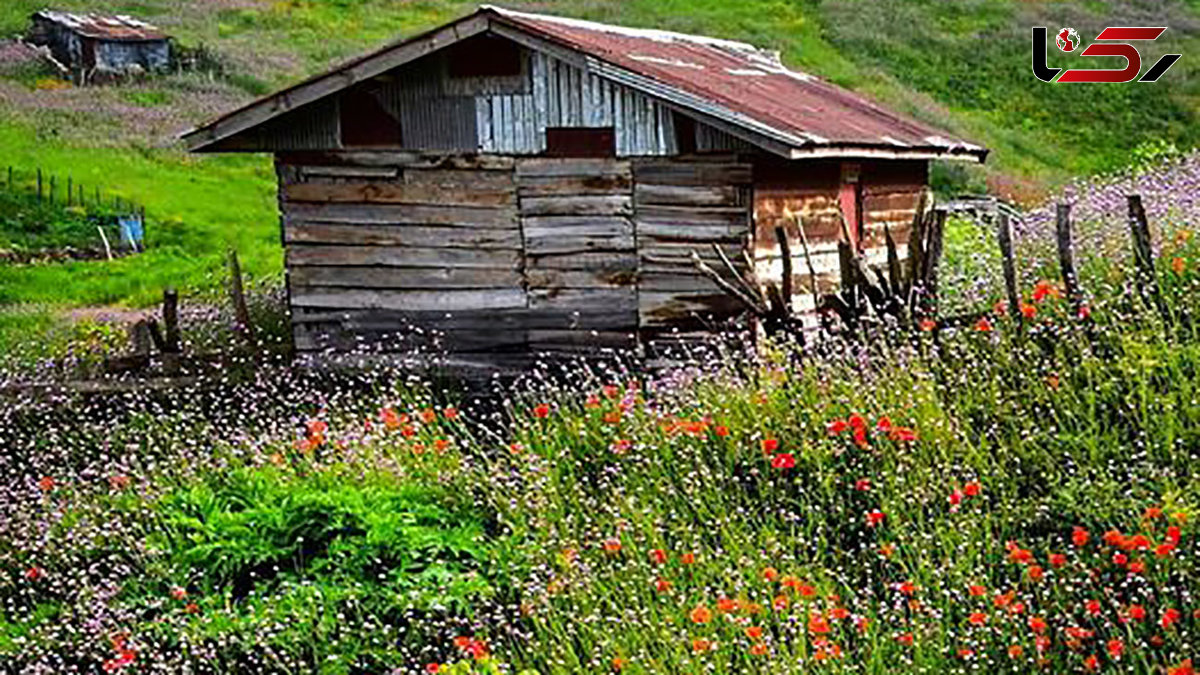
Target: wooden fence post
[
  {"x": 171, "y": 321},
  {"x": 1008, "y": 262},
  {"x": 237, "y": 294},
  {"x": 1143, "y": 258},
  {"x": 1066, "y": 257}
]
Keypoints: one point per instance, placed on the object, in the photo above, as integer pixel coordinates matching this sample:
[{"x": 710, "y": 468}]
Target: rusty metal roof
[
  {"x": 744, "y": 89},
  {"x": 116, "y": 28},
  {"x": 746, "y": 82}
]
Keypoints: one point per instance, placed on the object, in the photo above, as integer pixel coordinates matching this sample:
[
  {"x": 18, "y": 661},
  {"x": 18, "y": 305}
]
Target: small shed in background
[
  {"x": 529, "y": 184},
  {"x": 92, "y": 47}
]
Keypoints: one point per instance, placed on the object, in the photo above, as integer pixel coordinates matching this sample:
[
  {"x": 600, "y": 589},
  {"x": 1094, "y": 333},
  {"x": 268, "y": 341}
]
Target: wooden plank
[
  {"x": 590, "y": 205},
  {"x": 552, "y": 226},
  {"x": 675, "y": 195},
  {"x": 544, "y": 167},
  {"x": 711, "y": 215},
  {"x": 582, "y": 341},
  {"x": 308, "y": 172},
  {"x": 403, "y": 277},
  {"x": 567, "y": 244},
  {"x": 692, "y": 173},
  {"x": 495, "y": 319},
  {"x": 402, "y": 235},
  {"x": 315, "y": 254},
  {"x": 460, "y": 179},
  {"x": 663, "y": 308},
  {"x": 614, "y": 299},
  {"x": 441, "y": 300},
  {"x": 691, "y": 232},
  {"x": 400, "y": 159},
  {"x": 549, "y": 186},
  {"x": 600, "y": 261},
  {"x": 375, "y": 192},
  {"x": 582, "y": 278},
  {"x": 676, "y": 283},
  {"x": 392, "y": 214}
]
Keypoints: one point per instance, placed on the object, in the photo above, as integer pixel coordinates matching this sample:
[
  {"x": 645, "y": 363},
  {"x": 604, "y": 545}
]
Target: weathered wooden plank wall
[
  {"x": 381, "y": 243},
  {"x": 681, "y": 206},
  {"x": 580, "y": 260}
]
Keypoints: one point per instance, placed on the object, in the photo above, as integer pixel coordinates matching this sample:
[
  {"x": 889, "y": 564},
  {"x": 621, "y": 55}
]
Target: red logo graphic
[{"x": 1068, "y": 41}]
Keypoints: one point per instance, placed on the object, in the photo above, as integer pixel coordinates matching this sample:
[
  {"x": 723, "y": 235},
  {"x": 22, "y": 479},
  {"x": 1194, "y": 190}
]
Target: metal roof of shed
[
  {"x": 116, "y": 28},
  {"x": 745, "y": 90}
]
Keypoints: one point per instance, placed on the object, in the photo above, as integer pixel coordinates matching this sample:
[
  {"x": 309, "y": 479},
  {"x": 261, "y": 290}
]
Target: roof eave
[{"x": 962, "y": 153}]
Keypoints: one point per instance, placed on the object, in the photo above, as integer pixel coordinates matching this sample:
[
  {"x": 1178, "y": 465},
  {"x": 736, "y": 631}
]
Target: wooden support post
[
  {"x": 1004, "y": 236},
  {"x": 785, "y": 249},
  {"x": 237, "y": 294},
  {"x": 933, "y": 255},
  {"x": 1066, "y": 257},
  {"x": 1143, "y": 258},
  {"x": 171, "y": 321}
]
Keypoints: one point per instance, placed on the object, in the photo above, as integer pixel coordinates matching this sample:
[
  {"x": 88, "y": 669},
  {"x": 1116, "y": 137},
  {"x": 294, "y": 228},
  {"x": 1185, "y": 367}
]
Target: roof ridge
[{"x": 646, "y": 33}]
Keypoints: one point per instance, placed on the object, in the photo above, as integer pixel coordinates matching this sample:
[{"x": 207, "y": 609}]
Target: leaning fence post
[
  {"x": 1004, "y": 236},
  {"x": 1143, "y": 257},
  {"x": 1066, "y": 257},
  {"x": 237, "y": 294}
]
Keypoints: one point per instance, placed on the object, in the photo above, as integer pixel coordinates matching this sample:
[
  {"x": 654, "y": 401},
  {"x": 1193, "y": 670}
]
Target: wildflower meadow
[{"x": 1004, "y": 496}]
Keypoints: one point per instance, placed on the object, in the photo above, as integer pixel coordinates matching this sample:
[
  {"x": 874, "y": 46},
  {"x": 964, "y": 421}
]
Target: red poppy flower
[
  {"x": 1137, "y": 612},
  {"x": 662, "y": 585},
  {"x": 875, "y": 517},
  {"x": 836, "y": 427},
  {"x": 884, "y": 423},
  {"x": 758, "y": 649},
  {"x": 34, "y": 573},
  {"x": 783, "y": 460},
  {"x": 701, "y": 614},
  {"x": 857, "y": 421},
  {"x": 904, "y": 434},
  {"x": 612, "y": 545},
  {"x": 1115, "y": 648},
  {"x": 1170, "y": 617},
  {"x": 1044, "y": 289},
  {"x": 1036, "y": 572},
  {"x": 1079, "y": 536},
  {"x": 977, "y": 591},
  {"x": 1057, "y": 560},
  {"x": 1092, "y": 607},
  {"x": 972, "y": 489},
  {"x": 977, "y": 618},
  {"x": 721, "y": 431},
  {"x": 754, "y": 632},
  {"x": 1028, "y": 311},
  {"x": 658, "y": 556},
  {"x": 905, "y": 639},
  {"x": 927, "y": 325},
  {"x": 46, "y": 483},
  {"x": 432, "y": 668},
  {"x": 770, "y": 574},
  {"x": 687, "y": 558},
  {"x": 541, "y": 411},
  {"x": 727, "y": 605},
  {"x": 817, "y": 624},
  {"x": 983, "y": 325},
  {"x": 862, "y": 484},
  {"x": 1015, "y": 651},
  {"x": 1037, "y": 624},
  {"x": 700, "y": 645},
  {"x": 1091, "y": 663},
  {"x": 770, "y": 445}
]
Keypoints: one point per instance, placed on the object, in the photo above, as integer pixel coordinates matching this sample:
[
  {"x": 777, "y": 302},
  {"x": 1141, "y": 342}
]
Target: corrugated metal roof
[
  {"x": 745, "y": 88},
  {"x": 745, "y": 80},
  {"x": 118, "y": 28}
]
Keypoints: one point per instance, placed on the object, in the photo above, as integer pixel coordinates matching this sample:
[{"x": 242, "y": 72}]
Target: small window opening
[
  {"x": 365, "y": 122},
  {"x": 581, "y": 142}
]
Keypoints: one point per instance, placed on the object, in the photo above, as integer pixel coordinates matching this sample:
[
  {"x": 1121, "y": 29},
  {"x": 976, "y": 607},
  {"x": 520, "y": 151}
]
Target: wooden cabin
[
  {"x": 93, "y": 47},
  {"x": 522, "y": 183}
]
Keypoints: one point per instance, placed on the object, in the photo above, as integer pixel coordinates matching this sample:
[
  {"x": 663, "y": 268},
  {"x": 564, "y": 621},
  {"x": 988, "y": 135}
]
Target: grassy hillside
[{"x": 962, "y": 65}]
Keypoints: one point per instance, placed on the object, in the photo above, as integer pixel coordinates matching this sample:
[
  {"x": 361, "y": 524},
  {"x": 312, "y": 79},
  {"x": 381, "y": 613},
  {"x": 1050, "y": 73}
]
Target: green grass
[{"x": 197, "y": 207}]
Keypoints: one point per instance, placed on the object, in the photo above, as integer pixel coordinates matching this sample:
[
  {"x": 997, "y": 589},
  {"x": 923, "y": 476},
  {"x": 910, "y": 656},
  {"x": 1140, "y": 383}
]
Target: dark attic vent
[
  {"x": 365, "y": 123},
  {"x": 581, "y": 142},
  {"x": 483, "y": 56}
]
